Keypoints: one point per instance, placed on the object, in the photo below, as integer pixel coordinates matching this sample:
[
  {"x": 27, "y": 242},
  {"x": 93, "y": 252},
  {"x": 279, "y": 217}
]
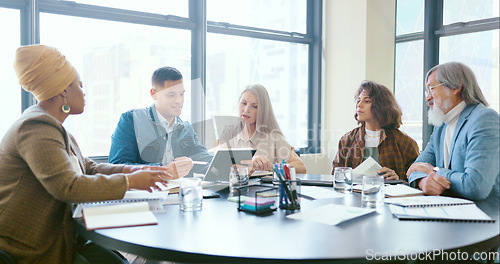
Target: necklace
[{"x": 373, "y": 132}]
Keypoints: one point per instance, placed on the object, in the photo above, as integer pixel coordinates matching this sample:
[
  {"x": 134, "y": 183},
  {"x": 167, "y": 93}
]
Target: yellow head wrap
[{"x": 43, "y": 71}]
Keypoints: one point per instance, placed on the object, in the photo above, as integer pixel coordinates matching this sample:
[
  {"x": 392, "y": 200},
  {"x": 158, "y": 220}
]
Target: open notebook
[{"x": 436, "y": 208}]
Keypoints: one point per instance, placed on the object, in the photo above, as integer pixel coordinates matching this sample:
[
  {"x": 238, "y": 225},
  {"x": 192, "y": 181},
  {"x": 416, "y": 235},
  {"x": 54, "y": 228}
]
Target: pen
[
  {"x": 293, "y": 177},
  {"x": 287, "y": 171},
  {"x": 288, "y": 193},
  {"x": 282, "y": 191},
  {"x": 196, "y": 162}
]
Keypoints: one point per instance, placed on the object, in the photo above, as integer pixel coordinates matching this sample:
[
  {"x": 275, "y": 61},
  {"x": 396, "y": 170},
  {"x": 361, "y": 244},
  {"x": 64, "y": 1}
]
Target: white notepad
[
  {"x": 118, "y": 215},
  {"x": 427, "y": 201},
  {"x": 466, "y": 212},
  {"x": 369, "y": 167},
  {"x": 331, "y": 214},
  {"x": 401, "y": 190}
]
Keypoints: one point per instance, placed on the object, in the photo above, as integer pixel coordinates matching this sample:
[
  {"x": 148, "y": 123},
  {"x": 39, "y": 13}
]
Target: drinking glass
[
  {"x": 372, "y": 192},
  {"x": 190, "y": 194},
  {"x": 238, "y": 176},
  {"x": 342, "y": 179}
]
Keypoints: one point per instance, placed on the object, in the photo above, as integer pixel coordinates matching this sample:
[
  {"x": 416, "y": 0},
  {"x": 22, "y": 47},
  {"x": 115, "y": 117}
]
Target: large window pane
[
  {"x": 286, "y": 15},
  {"x": 469, "y": 10},
  {"x": 409, "y": 86},
  {"x": 409, "y": 16},
  {"x": 10, "y": 101},
  {"x": 235, "y": 62},
  {"x": 115, "y": 61},
  {"x": 480, "y": 52},
  {"x": 165, "y": 7}
]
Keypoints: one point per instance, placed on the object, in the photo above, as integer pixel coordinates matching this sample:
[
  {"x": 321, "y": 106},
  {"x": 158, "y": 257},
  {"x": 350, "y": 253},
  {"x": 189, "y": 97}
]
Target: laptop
[{"x": 220, "y": 166}]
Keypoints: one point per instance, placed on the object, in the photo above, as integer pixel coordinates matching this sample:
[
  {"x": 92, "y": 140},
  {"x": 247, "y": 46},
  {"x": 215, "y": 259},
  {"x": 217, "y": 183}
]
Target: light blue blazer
[{"x": 474, "y": 154}]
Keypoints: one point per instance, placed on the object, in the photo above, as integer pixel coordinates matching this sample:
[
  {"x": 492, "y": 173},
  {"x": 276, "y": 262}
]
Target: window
[
  {"x": 166, "y": 7},
  {"x": 409, "y": 66},
  {"x": 285, "y": 15},
  {"x": 409, "y": 16},
  {"x": 116, "y": 45},
  {"x": 235, "y": 62},
  {"x": 115, "y": 62},
  {"x": 480, "y": 52},
  {"x": 409, "y": 83},
  {"x": 468, "y": 33},
  {"x": 469, "y": 10},
  {"x": 10, "y": 101}
]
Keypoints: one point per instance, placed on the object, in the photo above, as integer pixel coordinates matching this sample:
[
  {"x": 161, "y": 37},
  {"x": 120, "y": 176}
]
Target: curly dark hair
[{"x": 385, "y": 109}]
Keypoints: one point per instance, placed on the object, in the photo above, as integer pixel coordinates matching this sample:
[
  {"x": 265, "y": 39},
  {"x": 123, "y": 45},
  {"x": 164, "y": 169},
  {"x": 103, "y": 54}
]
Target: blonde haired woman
[
  {"x": 258, "y": 129},
  {"x": 42, "y": 170}
]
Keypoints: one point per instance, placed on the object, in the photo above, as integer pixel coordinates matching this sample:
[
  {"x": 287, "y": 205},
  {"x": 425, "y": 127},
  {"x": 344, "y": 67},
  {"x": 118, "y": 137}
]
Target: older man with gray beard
[{"x": 462, "y": 157}]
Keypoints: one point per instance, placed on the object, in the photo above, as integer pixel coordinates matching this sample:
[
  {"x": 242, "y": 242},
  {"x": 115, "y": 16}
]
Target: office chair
[{"x": 5, "y": 258}]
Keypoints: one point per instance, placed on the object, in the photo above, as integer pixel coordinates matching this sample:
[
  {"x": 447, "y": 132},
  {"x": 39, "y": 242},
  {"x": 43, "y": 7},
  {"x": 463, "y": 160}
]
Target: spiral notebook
[
  {"x": 155, "y": 200},
  {"x": 427, "y": 201},
  {"x": 436, "y": 208},
  {"x": 460, "y": 213}
]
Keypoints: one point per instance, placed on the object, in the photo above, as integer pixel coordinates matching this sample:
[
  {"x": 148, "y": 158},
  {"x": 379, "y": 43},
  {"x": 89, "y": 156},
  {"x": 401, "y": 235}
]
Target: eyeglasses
[{"x": 429, "y": 89}]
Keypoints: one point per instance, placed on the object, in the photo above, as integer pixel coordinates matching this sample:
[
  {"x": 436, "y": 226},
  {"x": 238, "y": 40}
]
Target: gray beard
[{"x": 435, "y": 116}]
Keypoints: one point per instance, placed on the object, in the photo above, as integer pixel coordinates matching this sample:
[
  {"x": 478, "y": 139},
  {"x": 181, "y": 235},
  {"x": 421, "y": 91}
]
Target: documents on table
[
  {"x": 331, "y": 214},
  {"x": 369, "y": 167},
  {"x": 261, "y": 173},
  {"x": 118, "y": 215},
  {"x": 465, "y": 212},
  {"x": 319, "y": 192},
  {"x": 172, "y": 186},
  {"x": 155, "y": 200},
  {"x": 401, "y": 190},
  {"x": 425, "y": 201},
  {"x": 437, "y": 208}
]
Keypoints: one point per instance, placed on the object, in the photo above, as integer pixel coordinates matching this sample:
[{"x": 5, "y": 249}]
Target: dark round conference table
[{"x": 220, "y": 233}]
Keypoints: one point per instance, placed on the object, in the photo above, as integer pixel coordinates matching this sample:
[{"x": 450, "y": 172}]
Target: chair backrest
[{"x": 6, "y": 258}]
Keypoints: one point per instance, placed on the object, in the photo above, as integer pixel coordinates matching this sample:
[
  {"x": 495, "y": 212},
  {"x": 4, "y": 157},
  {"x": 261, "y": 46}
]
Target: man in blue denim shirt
[
  {"x": 156, "y": 135},
  {"x": 462, "y": 157}
]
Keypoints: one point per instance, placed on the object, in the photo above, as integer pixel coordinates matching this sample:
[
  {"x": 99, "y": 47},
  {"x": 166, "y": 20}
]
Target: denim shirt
[{"x": 139, "y": 138}]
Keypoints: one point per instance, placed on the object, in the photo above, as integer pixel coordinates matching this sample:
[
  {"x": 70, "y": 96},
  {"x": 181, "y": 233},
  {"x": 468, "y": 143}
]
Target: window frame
[
  {"x": 433, "y": 31},
  {"x": 199, "y": 26}
]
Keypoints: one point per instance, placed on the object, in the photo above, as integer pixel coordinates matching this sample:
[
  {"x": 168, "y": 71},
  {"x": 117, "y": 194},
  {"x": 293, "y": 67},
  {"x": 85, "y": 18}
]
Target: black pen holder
[
  {"x": 289, "y": 191},
  {"x": 257, "y": 199}
]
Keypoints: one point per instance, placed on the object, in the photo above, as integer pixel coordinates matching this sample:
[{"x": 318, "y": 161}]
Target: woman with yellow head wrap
[{"x": 42, "y": 170}]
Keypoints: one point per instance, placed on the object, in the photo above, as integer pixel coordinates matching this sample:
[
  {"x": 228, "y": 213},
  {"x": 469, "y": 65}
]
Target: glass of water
[
  {"x": 342, "y": 179},
  {"x": 372, "y": 192},
  {"x": 190, "y": 194},
  {"x": 238, "y": 177}
]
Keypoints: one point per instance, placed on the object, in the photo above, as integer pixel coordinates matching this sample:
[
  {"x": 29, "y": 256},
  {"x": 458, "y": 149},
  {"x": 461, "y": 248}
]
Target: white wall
[{"x": 358, "y": 44}]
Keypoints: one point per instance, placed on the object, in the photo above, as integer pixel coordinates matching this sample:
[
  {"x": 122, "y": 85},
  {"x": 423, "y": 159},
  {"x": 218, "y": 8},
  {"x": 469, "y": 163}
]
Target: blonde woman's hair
[{"x": 266, "y": 120}]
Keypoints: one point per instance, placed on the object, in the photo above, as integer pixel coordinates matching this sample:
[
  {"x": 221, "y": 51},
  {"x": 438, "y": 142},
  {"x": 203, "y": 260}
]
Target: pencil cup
[
  {"x": 289, "y": 191},
  {"x": 372, "y": 192},
  {"x": 190, "y": 194}
]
